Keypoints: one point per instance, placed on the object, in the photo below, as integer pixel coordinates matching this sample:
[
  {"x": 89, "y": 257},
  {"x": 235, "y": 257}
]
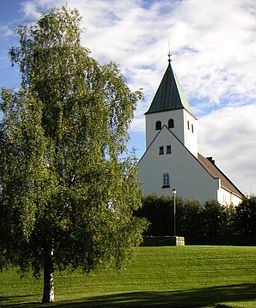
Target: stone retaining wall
[{"x": 163, "y": 241}]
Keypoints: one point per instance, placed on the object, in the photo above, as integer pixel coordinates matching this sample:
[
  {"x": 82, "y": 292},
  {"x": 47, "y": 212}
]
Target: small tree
[
  {"x": 159, "y": 212},
  {"x": 66, "y": 196},
  {"x": 244, "y": 221},
  {"x": 213, "y": 221},
  {"x": 188, "y": 225}
]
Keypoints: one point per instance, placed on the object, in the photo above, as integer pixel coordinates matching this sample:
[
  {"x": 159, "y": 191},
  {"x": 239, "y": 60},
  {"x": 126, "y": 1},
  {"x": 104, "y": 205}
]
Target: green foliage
[
  {"x": 214, "y": 223},
  {"x": 211, "y": 223},
  {"x": 63, "y": 186},
  {"x": 244, "y": 222},
  {"x": 187, "y": 220},
  {"x": 158, "y": 210}
]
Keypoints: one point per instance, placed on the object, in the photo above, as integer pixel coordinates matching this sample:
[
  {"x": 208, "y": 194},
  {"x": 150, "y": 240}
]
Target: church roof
[
  {"x": 169, "y": 95},
  {"x": 216, "y": 173}
]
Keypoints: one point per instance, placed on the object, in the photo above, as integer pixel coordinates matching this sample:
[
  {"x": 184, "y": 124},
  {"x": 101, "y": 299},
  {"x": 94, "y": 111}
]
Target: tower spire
[{"x": 169, "y": 95}]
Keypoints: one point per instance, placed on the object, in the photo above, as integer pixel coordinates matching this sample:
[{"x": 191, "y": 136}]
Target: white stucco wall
[
  {"x": 226, "y": 197},
  {"x": 187, "y": 176},
  {"x": 181, "y": 119},
  {"x": 152, "y": 118},
  {"x": 190, "y": 133}
]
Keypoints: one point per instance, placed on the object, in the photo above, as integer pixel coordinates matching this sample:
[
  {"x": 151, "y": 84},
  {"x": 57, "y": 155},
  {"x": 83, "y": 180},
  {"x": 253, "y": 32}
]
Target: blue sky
[{"x": 213, "y": 44}]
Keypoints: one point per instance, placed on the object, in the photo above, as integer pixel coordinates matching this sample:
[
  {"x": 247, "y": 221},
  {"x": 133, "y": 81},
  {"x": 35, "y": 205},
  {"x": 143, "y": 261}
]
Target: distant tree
[
  {"x": 159, "y": 212},
  {"x": 66, "y": 197},
  {"x": 212, "y": 222},
  {"x": 188, "y": 213},
  {"x": 244, "y": 221}
]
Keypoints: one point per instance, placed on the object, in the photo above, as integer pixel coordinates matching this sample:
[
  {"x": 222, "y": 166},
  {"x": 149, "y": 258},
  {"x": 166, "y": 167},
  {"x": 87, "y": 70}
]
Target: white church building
[{"x": 171, "y": 160}]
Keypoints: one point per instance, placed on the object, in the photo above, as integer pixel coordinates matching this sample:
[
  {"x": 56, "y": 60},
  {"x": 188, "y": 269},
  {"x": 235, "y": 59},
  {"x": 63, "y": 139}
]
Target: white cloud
[
  {"x": 33, "y": 8},
  {"x": 214, "y": 45},
  {"x": 228, "y": 135},
  {"x": 30, "y": 9}
]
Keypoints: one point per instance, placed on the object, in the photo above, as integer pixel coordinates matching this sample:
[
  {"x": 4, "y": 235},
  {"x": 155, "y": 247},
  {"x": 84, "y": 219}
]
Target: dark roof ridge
[
  {"x": 151, "y": 143},
  {"x": 173, "y": 136}
]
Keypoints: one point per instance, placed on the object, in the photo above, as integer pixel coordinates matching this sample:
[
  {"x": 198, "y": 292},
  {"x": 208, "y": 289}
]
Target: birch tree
[{"x": 66, "y": 196}]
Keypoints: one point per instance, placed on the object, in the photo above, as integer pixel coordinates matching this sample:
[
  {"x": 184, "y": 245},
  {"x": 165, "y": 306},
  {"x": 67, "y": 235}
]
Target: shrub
[
  {"x": 245, "y": 222},
  {"x": 211, "y": 223}
]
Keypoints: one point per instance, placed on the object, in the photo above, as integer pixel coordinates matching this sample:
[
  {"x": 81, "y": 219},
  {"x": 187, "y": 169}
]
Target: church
[{"x": 171, "y": 161}]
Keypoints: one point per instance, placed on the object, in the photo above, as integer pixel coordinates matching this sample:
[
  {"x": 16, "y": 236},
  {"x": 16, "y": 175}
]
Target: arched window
[
  {"x": 171, "y": 123},
  {"x": 158, "y": 125},
  {"x": 166, "y": 180}
]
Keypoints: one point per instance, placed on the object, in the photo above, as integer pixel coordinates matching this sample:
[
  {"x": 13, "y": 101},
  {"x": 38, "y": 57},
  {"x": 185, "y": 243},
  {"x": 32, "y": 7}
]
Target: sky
[{"x": 213, "y": 45}]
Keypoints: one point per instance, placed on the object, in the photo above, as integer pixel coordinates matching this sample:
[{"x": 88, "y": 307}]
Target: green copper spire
[{"x": 169, "y": 95}]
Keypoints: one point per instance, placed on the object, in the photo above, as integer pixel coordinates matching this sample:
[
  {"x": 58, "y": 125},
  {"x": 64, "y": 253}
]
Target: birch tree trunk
[{"x": 48, "y": 296}]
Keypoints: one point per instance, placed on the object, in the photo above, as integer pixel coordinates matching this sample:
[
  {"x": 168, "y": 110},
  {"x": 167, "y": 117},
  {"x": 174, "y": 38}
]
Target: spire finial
[
  {"x": 169, "y": 53},
  {"x": 169, "y": 57}
]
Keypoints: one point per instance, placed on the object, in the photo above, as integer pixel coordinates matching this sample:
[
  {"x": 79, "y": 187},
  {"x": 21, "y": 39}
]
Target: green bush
[
  {"x": 215, "y": 223},
  {"x": 211, "y": 223},
  {"x": 245, "y": 222},
  {"x": 159, "y": 212}
]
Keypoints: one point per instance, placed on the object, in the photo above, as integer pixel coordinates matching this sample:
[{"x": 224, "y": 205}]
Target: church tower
[
  {"x": 170, "y": 108},
  {"x": 171, "y": 160}
]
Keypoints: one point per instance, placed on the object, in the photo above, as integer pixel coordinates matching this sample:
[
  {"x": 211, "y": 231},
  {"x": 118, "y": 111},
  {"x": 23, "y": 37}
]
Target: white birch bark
[{"x": 48, "y": 296}]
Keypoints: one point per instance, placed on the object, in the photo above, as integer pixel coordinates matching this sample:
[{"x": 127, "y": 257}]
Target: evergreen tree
[{"x": 66, "y": 196}]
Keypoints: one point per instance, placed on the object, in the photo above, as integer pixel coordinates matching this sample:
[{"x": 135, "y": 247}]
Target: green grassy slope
[{"x": 189, "y": 276}]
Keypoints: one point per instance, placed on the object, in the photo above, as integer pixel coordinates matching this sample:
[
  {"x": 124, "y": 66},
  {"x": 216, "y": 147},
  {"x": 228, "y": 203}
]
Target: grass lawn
[{"x": 184, "y": 276}]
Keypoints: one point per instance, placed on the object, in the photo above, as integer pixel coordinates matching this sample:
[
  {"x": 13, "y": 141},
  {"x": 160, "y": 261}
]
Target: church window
[
  {"x": 192, "y": 128},
  {"x": 171, "y": 123},
  {"x": 161, "y": 150},
  {"x": 168, "y": 149},
  {"x": 166, "y": 180},
  {"x": 188, "y": 124},
  {"x": 158, "y": 125}
]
